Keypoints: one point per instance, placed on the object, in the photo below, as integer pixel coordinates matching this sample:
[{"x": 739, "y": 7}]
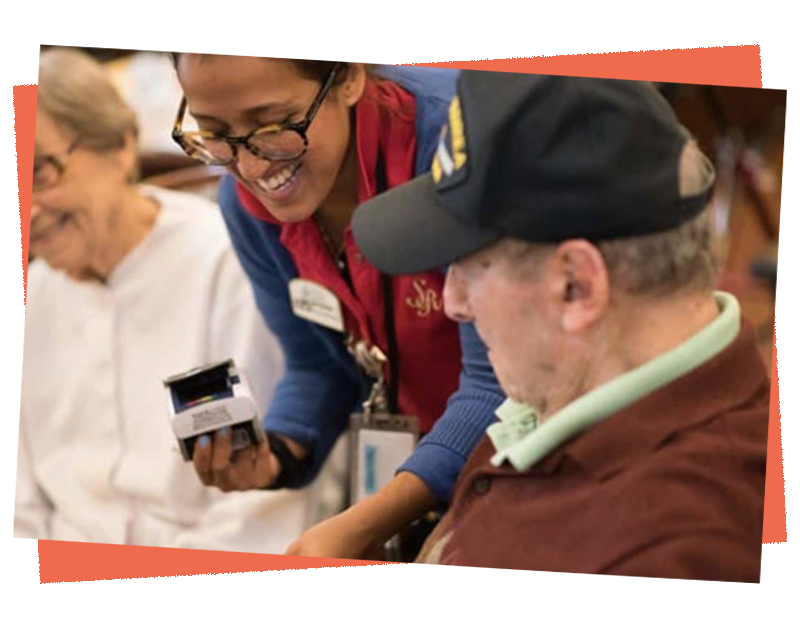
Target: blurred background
[{"x": 740, "y": 129}]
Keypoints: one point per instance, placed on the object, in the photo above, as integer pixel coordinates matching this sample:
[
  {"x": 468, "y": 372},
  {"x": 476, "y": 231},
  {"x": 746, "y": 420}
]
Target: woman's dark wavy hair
[{"x": 313, "y": 60}]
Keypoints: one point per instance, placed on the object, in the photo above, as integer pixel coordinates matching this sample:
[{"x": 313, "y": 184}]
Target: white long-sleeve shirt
[{"x": 97, "y": 458}]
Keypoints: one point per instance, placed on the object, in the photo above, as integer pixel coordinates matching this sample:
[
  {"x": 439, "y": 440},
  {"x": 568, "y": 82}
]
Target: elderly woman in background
[
  {"x": 130, "y": 284},
  {"x": 17, "y": 243}
]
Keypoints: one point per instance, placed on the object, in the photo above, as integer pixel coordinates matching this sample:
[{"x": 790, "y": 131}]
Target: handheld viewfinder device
[{"x": 207, "y": 398}]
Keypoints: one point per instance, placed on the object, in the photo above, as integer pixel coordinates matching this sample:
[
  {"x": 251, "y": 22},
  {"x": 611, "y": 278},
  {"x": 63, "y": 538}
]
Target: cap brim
[{"x": 406, "y": 230}]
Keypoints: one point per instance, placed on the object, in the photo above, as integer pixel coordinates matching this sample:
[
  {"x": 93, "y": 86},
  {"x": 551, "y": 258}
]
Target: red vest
[{"x": 428, "y": 349}]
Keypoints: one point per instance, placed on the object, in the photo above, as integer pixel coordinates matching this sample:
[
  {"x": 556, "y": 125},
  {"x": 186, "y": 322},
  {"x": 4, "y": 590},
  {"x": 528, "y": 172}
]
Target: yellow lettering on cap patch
[
  {"x": 436, "y": 169},
  {"x": 448, "y": 160},
  {"x": 457, "y": 140}
]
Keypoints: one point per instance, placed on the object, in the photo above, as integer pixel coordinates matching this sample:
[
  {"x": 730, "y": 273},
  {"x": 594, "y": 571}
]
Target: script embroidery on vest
[{"x": 425, "y": 301}]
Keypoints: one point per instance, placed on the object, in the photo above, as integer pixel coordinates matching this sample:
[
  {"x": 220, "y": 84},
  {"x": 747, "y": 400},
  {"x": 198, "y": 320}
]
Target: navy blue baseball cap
[{"x": 542, "y": 159}]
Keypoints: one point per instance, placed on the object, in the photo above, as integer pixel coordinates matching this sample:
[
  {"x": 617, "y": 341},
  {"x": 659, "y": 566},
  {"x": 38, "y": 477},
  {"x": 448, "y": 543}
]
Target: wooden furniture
[{"x": 198, "y": 179}]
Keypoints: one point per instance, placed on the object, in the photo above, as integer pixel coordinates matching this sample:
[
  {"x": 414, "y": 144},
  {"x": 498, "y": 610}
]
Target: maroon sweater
[{"x": 670, "y": 487}]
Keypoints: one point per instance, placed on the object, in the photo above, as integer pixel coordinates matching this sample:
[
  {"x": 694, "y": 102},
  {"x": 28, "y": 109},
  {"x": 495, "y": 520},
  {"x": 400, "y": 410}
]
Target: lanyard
[
  {"x": 381, "y": 397},
  {"x": 388, "y": 303}
]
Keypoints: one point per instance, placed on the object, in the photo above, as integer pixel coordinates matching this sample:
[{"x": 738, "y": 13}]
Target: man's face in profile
[{"x": 506, "y": 300}]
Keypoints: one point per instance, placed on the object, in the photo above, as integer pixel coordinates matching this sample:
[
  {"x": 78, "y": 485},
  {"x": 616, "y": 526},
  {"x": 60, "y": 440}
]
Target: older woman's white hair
[{"x": 79, "y": 95}]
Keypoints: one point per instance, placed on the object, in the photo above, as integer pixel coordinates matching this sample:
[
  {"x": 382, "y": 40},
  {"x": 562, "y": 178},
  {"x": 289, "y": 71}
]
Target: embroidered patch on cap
[{"x": 450, "y": 159}]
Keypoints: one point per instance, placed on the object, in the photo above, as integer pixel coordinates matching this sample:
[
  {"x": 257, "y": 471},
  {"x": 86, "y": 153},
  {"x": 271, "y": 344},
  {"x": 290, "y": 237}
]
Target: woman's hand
[
  {"x": 361, "y": 531},
  {"x": 338, "y": 537},
  {"x": 253, "y": 467},
  {"x": 342, "y": 536}
]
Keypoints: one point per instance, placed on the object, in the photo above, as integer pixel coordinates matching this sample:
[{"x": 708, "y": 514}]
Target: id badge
[
  {"x": 379, "y": 444},
  {"x": 316, "y": 303}
]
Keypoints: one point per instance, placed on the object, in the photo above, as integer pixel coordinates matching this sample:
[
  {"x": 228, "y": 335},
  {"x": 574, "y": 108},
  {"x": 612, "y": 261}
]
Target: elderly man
[{"x": 572, "y": 214}]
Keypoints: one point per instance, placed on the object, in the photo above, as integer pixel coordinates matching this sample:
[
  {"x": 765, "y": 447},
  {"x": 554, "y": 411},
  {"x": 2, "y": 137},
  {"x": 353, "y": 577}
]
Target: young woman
[{"x": 305, "y": 143}]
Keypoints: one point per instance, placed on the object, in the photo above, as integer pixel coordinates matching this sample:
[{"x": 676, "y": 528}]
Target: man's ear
[
  {"x": 352, "y": 88},
  {"x": 583, "y": 284}
]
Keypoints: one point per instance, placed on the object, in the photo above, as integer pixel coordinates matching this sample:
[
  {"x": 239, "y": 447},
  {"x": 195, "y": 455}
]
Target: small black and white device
[{"x": 208, "y": 398}]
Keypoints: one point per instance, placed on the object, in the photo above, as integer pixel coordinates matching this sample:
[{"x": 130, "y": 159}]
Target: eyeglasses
[
  {"x": 48, "y": 169},
  {"x": 274, "y": 142}
]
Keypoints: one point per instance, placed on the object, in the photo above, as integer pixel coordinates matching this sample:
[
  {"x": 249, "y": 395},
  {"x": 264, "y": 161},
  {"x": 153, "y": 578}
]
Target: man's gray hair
[
  {"x": 678, "y": 259},
  {"x": 661, "y": 263}
]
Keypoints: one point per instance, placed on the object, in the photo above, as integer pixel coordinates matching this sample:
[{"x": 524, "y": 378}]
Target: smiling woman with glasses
[
  {"x": 273, "y": 142},
  {"x": 305, "y": 142}
]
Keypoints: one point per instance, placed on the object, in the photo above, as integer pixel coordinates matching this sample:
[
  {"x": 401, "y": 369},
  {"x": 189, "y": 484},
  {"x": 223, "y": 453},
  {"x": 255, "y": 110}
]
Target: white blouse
[{"x": 97, "y": 458}]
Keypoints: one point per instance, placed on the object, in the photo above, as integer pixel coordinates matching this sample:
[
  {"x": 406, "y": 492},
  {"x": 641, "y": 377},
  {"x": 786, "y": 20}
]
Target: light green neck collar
[{"x": 520, "y": 439}]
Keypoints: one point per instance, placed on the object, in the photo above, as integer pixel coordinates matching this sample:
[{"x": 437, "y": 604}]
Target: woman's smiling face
[
  {"x": 73, "y": 221},
  {"x": 234, "y": 95}
]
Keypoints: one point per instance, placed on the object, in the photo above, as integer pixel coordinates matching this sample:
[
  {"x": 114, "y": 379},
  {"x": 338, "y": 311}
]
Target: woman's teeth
[{"x": 280, "y": 180}]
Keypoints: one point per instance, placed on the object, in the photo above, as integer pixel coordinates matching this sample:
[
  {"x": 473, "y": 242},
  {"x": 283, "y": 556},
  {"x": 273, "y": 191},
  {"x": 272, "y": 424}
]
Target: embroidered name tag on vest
[{"x": 316, "y": 303}]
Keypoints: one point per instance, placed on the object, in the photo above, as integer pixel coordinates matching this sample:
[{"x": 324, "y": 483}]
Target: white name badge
[
  {"x": 379, "y": 444},
  {"x": 316, "y": 303}
]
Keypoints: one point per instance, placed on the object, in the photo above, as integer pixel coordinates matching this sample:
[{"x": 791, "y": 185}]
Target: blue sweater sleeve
[
  {"x": 314, "y": 364},
  {"x": 313, "y": 420},
  {"x": 440, "y": 456}
]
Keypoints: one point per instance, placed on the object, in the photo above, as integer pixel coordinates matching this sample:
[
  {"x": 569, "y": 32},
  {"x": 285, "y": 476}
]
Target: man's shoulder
[
  {"x": 724, "y": 446},
  {"x": 693, "y": 454},
  {"x": 702, "y": 482},
  {"x": 694, "y": 507}
]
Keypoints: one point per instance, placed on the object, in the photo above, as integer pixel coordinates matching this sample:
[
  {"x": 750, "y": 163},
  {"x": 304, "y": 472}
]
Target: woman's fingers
[
  {"x": 249, "y": 468},
  {"x": 266, "y": 467},
  {"x": 201, "y": 459}
]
